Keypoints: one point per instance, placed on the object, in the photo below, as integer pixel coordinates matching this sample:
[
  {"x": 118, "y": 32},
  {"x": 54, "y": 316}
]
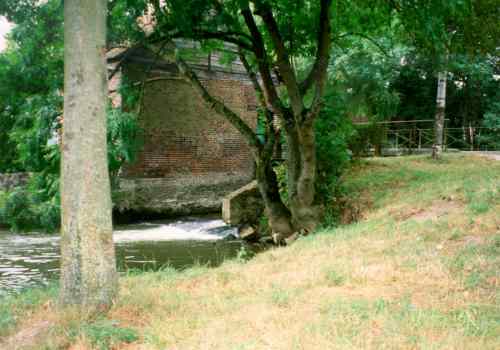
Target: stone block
[
  {"x": 248, "y": 233},
  {"x": 243, "y": 206}
]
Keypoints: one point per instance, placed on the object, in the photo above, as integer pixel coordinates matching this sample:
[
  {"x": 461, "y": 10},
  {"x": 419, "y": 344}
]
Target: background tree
[
  {"x": 447, "y": 29},
  {"x": 31, "y": 103},
  {"x": 88, "y": 268}
]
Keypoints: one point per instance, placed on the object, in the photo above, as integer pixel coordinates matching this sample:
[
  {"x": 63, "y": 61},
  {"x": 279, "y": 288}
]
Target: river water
[{"x": 28, "y": 261}]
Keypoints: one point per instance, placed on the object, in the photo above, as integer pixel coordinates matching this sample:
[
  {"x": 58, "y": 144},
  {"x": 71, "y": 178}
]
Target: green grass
[
  {"x": 105, "y": 334},
  {"x": 16, "y": 308},
  {"x": 420, "y": 270}
]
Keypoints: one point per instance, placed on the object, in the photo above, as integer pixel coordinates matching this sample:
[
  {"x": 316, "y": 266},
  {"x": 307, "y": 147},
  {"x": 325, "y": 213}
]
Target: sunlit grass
[{"x": 420, "y": 270}]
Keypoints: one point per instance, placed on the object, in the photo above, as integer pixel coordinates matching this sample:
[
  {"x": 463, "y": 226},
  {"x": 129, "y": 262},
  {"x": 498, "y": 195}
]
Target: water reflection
[{"x": 27, "y": 261}]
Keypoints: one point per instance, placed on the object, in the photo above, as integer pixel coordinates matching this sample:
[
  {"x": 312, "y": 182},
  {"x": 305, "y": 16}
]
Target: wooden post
[{"x": 419, "y": 139}]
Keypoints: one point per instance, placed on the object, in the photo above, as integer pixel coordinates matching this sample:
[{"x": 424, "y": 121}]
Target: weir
[{"x": 30, "y": 261}]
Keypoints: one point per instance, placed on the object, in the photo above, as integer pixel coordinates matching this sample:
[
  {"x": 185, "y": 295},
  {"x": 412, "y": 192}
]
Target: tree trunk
[
  {"x": 278, "y": 214},
  {"x": 88, "y": 268},
  {"x": 302, "y": 176},
  {"x": 297, "y": 119},
  {"x": 301, "y": 166},
  {"x": 437, "y": 149}
]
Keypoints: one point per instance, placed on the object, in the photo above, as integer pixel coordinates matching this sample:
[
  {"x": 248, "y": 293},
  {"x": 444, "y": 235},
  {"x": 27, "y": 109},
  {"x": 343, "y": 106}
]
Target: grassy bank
[{"x": 420, "y": 269}]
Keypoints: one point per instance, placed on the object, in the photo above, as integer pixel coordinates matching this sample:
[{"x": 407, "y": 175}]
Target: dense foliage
[{"x": 31, "y": 98}]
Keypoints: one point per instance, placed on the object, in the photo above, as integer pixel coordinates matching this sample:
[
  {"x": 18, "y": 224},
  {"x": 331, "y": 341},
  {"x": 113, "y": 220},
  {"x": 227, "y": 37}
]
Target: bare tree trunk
[
  {"x": 440, "y": 115},
  {"x": 302, "y": 176},
  {"x": 88, "y": 268}
]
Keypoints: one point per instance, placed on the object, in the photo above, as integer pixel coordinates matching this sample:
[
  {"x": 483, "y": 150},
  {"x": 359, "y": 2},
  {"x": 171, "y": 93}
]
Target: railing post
[
  {"x": 445, "y": 139},
  {"x": 471, "y": 137},
  {"x": 419, "y": 139}
]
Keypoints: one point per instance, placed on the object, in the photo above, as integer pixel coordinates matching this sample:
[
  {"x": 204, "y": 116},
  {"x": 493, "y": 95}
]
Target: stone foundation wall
[
  {"x": 9, "y": 181},
  {"x": 177, "y": 196}
]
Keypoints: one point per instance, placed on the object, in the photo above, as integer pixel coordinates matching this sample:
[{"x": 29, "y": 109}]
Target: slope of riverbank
[{"x": 420, "y": 269}]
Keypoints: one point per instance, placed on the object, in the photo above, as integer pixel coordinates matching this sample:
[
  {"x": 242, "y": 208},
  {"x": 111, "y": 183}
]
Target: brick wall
[{"x": 185, "y": 139}]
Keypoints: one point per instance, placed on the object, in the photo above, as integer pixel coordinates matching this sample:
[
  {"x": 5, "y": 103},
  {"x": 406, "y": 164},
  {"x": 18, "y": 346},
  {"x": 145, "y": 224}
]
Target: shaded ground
[{"x": 420, "y": 270}]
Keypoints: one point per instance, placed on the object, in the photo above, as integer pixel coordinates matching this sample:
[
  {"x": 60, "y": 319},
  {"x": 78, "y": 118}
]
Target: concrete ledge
[
  {"x": 243, "y": 206},
  {"x": 176, "y": 196}
]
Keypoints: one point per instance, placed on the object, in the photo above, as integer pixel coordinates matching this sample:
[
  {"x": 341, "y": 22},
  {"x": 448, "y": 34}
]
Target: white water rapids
[{"x": 33, "y": 260}]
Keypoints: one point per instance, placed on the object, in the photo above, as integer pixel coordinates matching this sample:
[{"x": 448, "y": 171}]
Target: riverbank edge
[{"x": 404, "y": 210}]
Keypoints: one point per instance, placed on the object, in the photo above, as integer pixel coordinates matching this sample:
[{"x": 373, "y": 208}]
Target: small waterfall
[{"x": 27, "y": 261}]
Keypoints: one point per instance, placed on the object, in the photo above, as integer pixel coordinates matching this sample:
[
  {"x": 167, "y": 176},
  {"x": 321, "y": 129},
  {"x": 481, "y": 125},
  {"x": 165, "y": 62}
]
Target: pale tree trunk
[
  {"x": 440, "y": 115},
  {"x": 88, "y": 268}
]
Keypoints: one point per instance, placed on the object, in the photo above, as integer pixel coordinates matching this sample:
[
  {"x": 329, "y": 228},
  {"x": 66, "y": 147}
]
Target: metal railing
[{"x": 412, "y": 139}]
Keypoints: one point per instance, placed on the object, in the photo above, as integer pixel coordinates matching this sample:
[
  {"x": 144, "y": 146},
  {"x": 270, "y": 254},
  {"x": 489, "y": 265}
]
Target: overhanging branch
[
  {"x": 370, "y": 39},
  {"x": 226, "y": 37},
  {"x": 218, "y": 106}
]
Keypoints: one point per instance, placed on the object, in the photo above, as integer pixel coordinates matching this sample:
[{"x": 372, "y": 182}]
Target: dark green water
[{"x": 28, "y": 261}]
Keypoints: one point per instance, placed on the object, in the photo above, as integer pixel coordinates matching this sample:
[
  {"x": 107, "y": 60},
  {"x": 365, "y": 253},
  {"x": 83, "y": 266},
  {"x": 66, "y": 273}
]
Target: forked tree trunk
[
  {"x": 302, "y": 175},
  {"x": 278, "y": 214},
  {"x": 88, "y": 269},
  {"x": 297, "y": 119},
  {"x": 440, "y": 115}
]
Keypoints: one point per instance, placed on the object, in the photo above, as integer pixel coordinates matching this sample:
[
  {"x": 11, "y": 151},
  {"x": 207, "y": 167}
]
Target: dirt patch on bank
[
  {"x": 438, "y": 209},
  {"x": 354, "y": 210},
  {"x": 434, "y": 211},
  {"x": 28, "y": 336}
]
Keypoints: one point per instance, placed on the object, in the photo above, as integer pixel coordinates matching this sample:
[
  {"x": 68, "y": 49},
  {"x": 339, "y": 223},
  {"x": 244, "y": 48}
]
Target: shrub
[
  {"x": 17, "y": 211},
  {"x": 37, "y": 205},
  {"x": 490, "y": 137}
]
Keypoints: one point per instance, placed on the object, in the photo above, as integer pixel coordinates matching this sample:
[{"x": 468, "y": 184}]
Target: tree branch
[
  {"x": 323, "y": 53},
  {"x": 284, "y": 65},
  {"x": 320, "y": 68},
  {"x": 253, "y": 79},
  {"x": 263, "y": 63},
  {"x": 218, "y": 106},
  {"x": 271, "y": 132},
  {"x": 370, "y": 39},
  {"x": 224, "y": 36}
]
